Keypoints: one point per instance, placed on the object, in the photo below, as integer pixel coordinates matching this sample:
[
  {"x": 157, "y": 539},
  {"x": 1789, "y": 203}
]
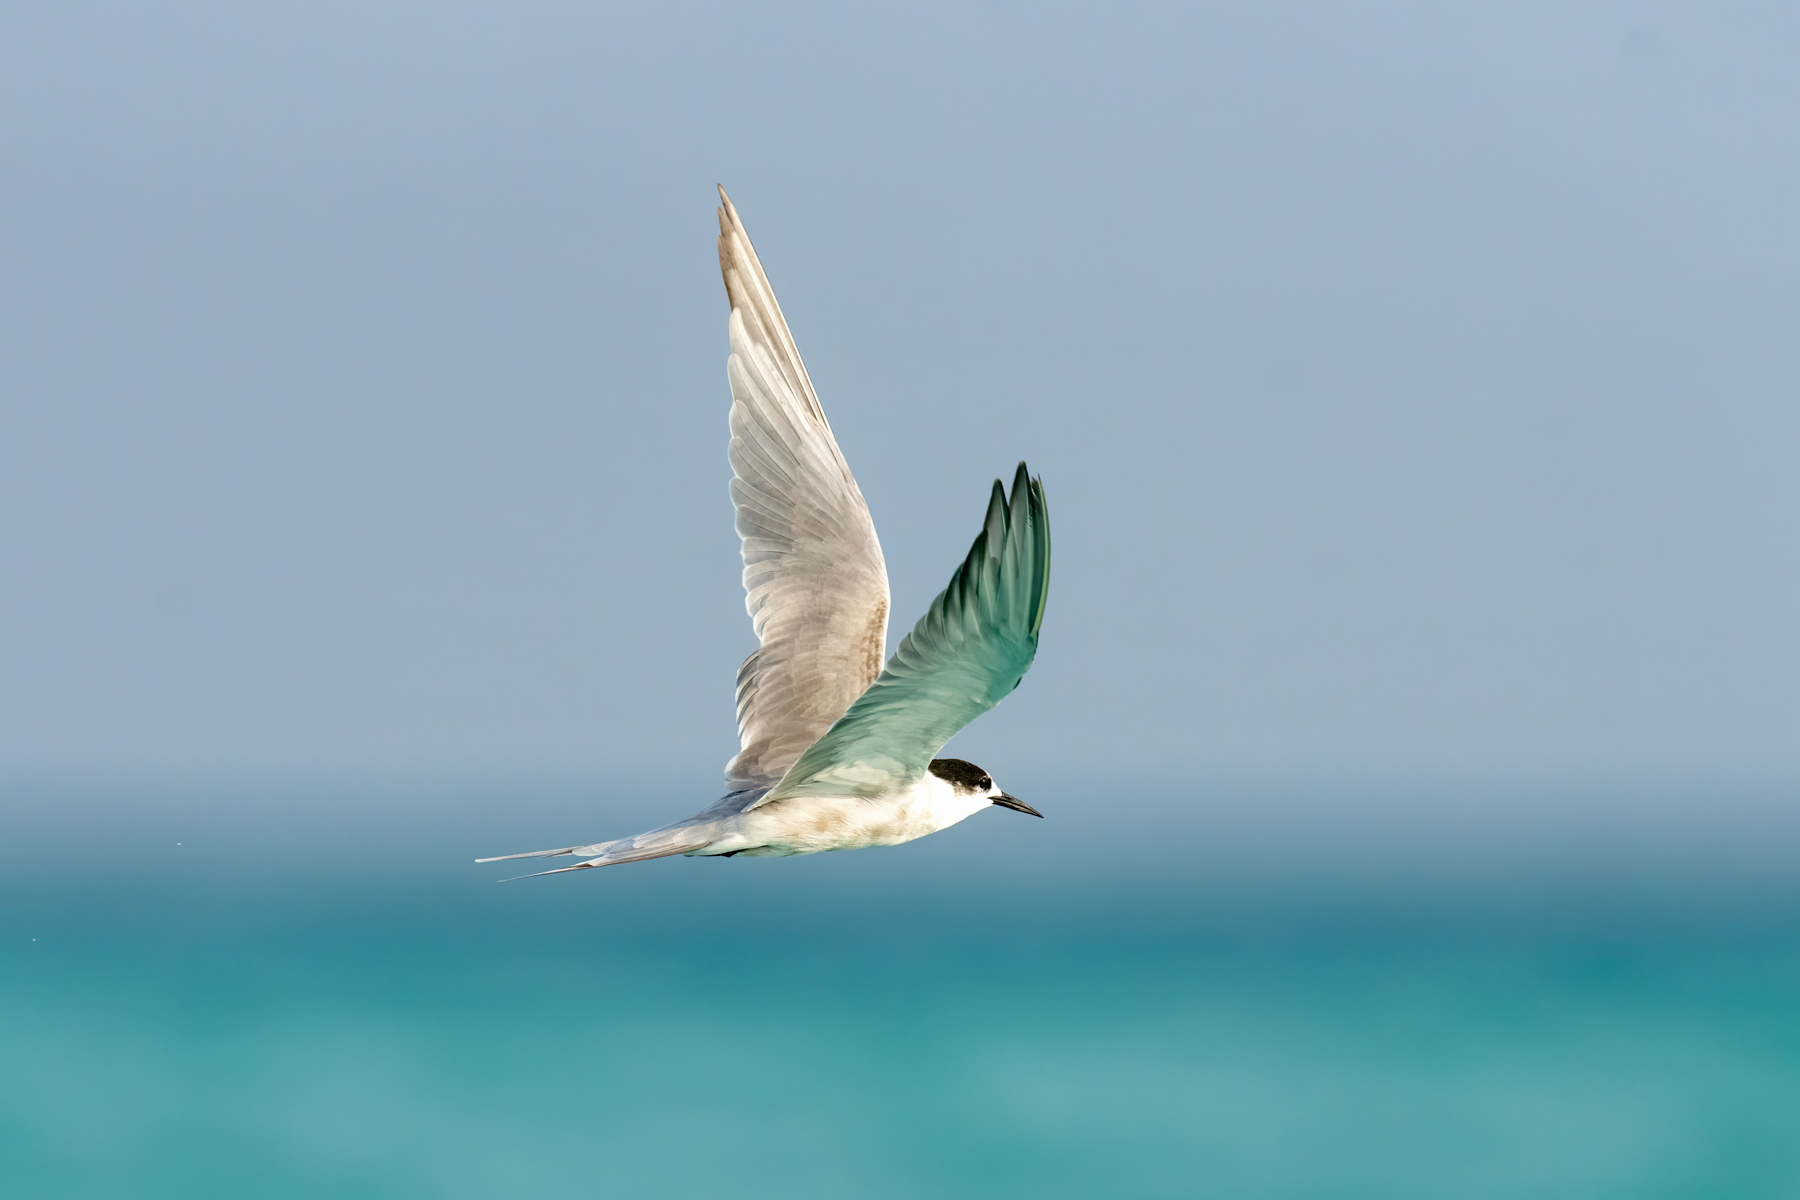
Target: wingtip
[{"x": 1023, "y": 478}]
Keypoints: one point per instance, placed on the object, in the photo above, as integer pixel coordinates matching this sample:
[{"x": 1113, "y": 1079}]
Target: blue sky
[{"x": 1414, "y": 385}]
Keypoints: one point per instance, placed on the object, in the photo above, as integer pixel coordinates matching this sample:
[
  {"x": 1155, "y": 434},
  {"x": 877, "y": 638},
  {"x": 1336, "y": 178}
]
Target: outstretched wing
[
  {"x": 969, "y": 651},
  {"x": 814, "y": 579}
]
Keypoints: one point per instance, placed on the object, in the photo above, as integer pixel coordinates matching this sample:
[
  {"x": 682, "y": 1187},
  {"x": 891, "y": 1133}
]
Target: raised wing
[
  {"x": 969, "y": 651},
  {"x": 814, "y": 579}
]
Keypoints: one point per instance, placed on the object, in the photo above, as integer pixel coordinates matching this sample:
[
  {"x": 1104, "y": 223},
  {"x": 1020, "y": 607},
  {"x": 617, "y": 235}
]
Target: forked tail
[{"x": 659, "y": 843}]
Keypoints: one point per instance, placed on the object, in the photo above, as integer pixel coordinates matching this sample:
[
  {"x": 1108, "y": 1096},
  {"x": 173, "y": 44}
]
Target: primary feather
[
  {"x": 814, "y": 580},
  {"x": 966, "y": 654}
]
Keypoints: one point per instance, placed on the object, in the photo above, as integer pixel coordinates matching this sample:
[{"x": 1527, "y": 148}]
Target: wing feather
[
  {"x": 967, "y": 653},
  {"x": 815, "y": 583}
]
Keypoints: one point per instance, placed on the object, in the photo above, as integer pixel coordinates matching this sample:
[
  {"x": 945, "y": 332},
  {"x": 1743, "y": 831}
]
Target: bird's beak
[{"x": 1016, "y": 804}]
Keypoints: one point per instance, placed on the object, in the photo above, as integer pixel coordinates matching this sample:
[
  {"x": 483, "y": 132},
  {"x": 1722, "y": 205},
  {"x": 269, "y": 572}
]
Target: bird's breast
[{"x": 816, "y": 823}]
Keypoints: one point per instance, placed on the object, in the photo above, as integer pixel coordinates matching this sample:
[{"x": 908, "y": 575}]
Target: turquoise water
[{"x": 312, "y": 996}]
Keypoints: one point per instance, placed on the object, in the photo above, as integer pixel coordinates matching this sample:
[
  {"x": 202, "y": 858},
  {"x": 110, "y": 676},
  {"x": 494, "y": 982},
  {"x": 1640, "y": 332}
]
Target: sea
[{"x": 283, "y": 984}]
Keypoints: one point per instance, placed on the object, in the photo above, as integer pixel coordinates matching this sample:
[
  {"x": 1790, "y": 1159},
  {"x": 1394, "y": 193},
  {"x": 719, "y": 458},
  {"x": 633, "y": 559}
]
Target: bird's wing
[
  {"x": 971, "y": 648},
  {"x": 814, "y": 579}
]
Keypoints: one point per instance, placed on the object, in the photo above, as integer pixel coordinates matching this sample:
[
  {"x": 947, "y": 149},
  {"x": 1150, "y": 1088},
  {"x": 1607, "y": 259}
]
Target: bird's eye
[{"x": 986, "y": 782}]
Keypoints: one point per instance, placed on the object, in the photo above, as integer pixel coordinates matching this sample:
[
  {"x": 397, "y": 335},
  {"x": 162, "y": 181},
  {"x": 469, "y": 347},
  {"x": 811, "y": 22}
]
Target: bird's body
[
  {"x": 806, "y": 826},
  {"x": 846, "y": 822},
  {"x": 838, "y": 753}
]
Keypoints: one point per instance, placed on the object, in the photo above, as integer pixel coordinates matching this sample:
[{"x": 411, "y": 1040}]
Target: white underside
[
  {"x": 805, "y": 825},
  {"x": 816, "y": 823}
]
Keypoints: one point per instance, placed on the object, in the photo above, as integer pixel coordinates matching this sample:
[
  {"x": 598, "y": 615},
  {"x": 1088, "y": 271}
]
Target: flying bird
[{"x": 838, "y": 752}]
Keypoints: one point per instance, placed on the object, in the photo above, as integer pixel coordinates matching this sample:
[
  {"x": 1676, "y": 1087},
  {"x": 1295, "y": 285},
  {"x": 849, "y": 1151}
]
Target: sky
[{"x": 1414, "y": 385}]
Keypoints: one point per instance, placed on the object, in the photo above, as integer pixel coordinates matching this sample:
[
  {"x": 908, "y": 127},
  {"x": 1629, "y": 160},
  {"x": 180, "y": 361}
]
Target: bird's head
[{"x": 967, "y": 779}]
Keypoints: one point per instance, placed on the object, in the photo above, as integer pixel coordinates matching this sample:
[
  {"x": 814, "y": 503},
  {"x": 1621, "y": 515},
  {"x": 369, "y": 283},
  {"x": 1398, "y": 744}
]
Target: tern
[{"x": 837, "y": 751}]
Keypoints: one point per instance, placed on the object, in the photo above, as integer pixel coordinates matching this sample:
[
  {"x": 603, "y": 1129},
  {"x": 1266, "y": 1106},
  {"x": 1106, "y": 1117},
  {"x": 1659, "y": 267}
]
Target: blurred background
[{"x": 1414, "y": 387}]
